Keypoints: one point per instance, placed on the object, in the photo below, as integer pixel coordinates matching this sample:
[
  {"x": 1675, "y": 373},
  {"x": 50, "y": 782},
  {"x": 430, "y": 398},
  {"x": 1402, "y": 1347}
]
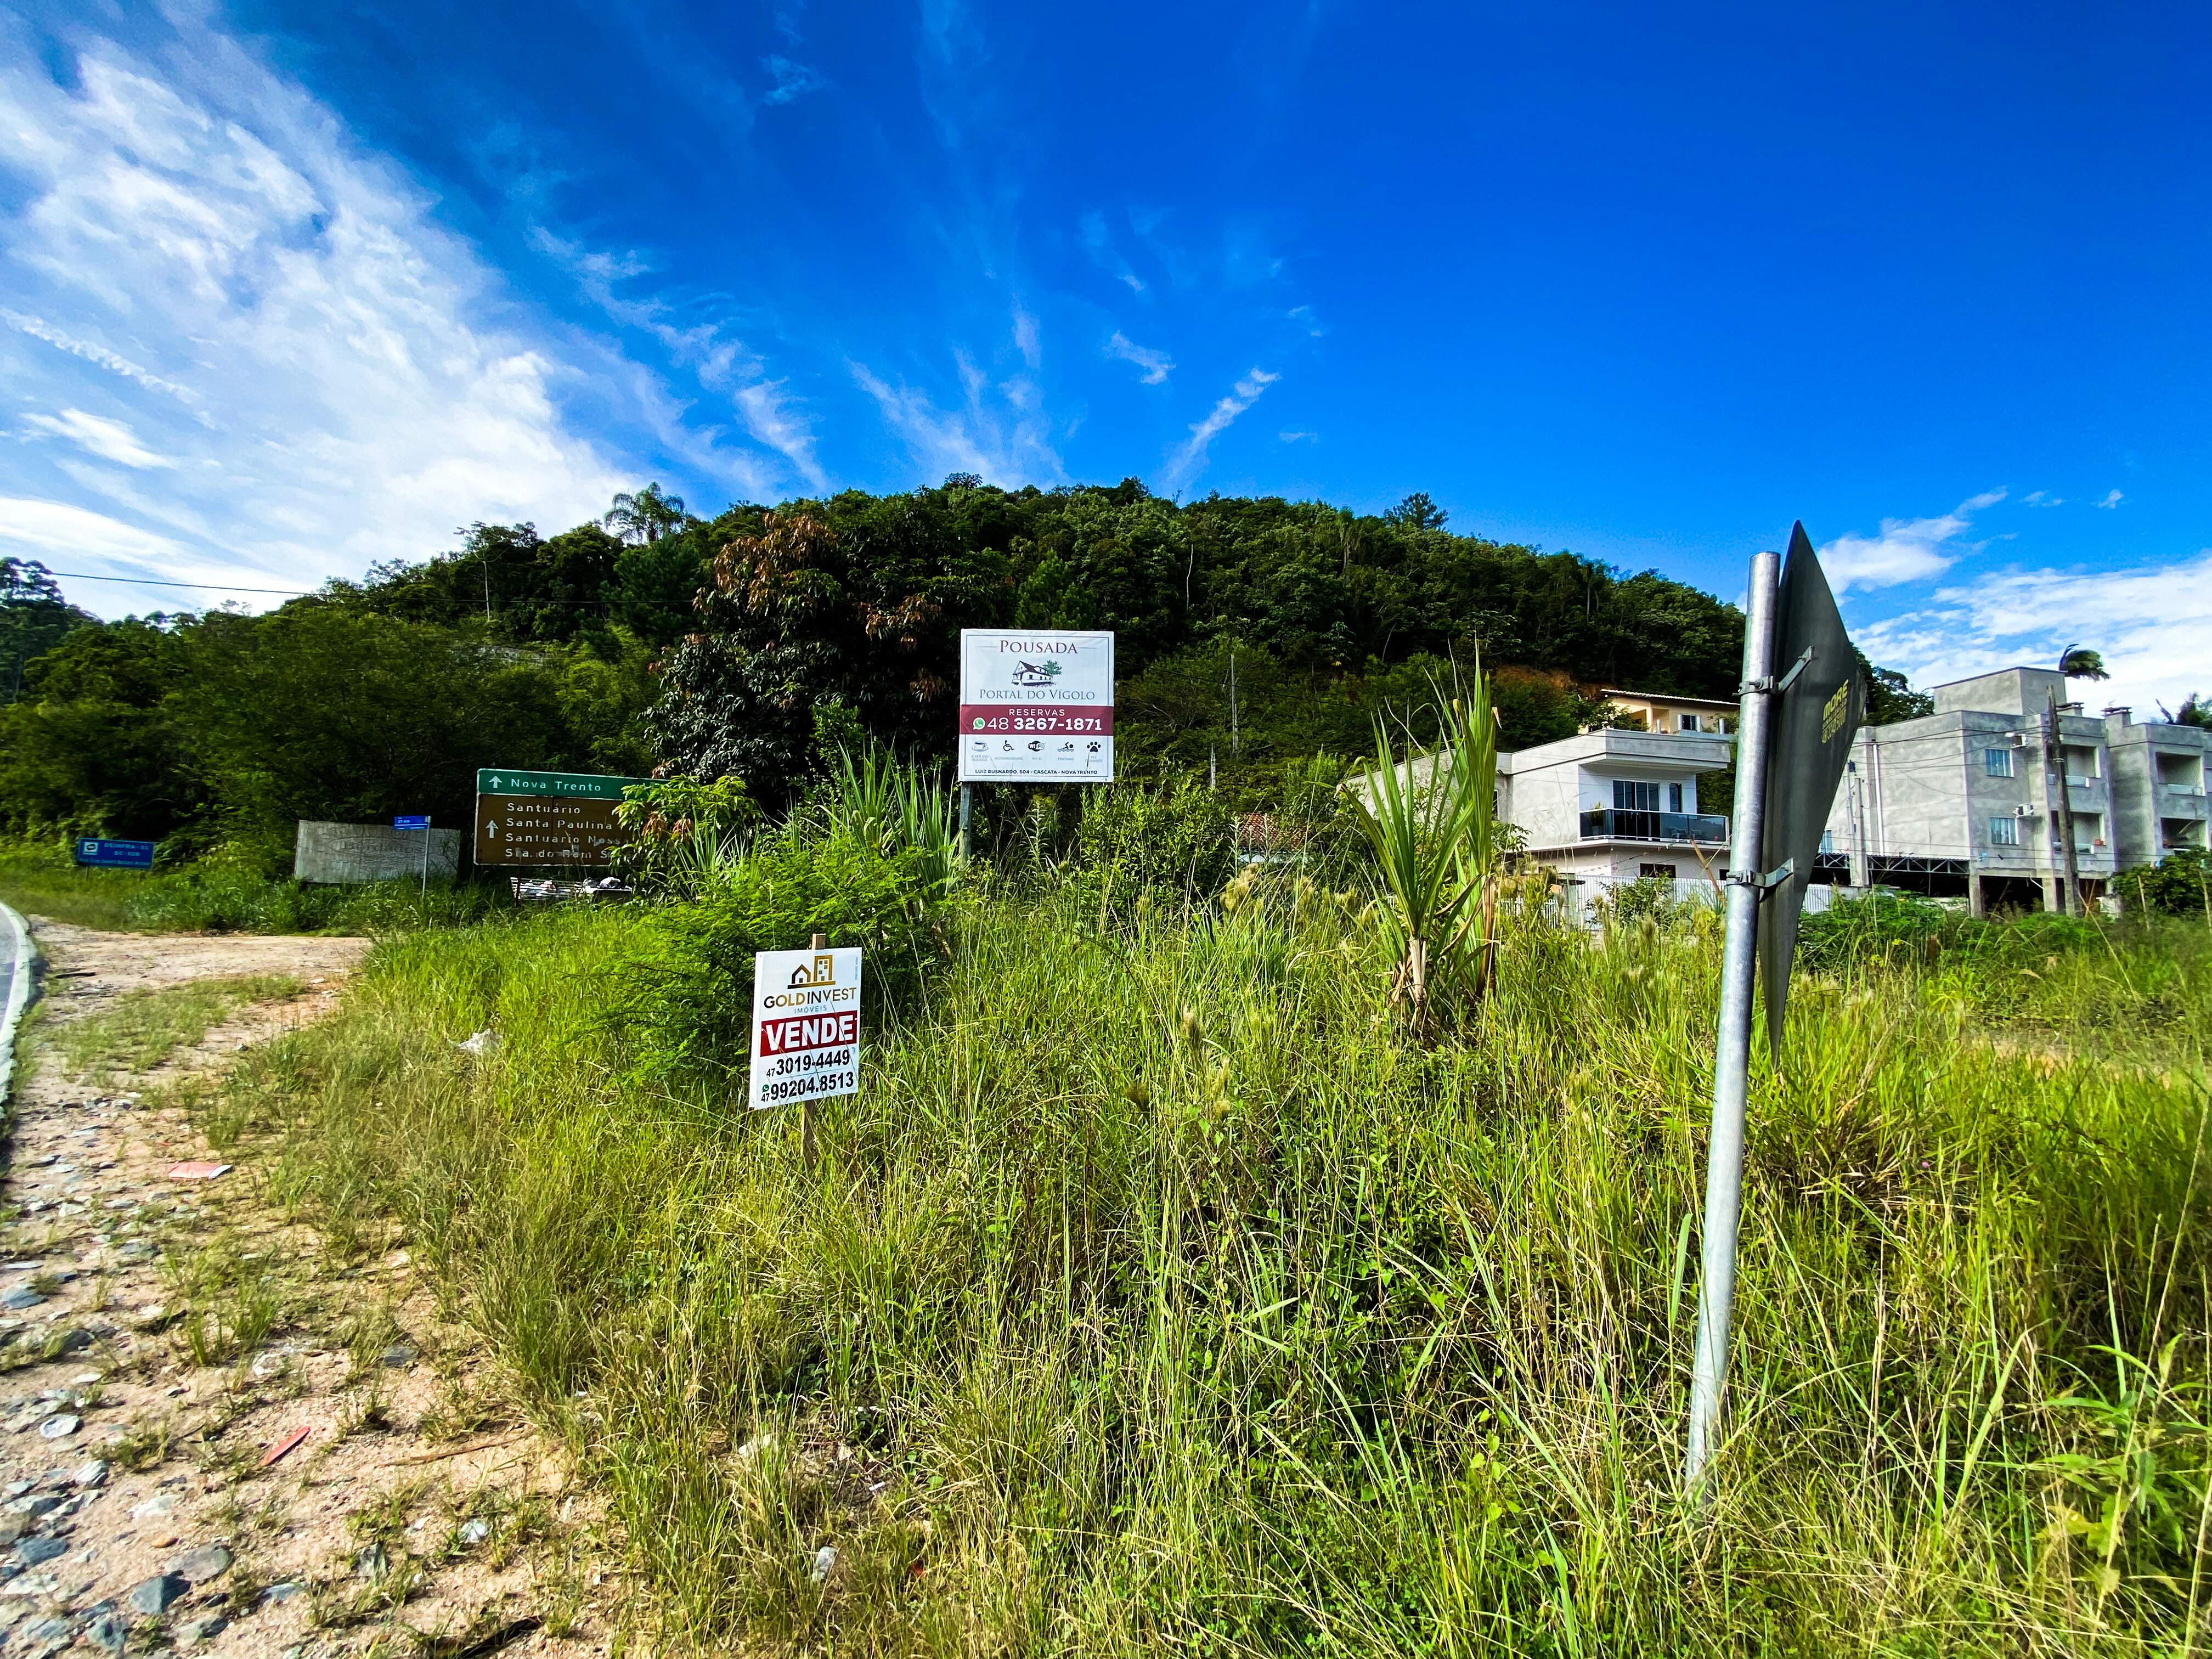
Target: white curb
[{"x": 21, "y": 988}]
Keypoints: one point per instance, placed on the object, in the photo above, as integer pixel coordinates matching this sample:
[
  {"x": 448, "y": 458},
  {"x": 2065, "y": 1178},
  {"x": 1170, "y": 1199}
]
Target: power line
[{"x": 149, "y": 582}]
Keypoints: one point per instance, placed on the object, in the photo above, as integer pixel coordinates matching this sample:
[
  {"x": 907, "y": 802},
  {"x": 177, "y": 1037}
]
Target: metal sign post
[
  {"x": 422, "y": 823},
  {"x": 1732, "y": 1052},
  {"x": 1793, "y": 735}
]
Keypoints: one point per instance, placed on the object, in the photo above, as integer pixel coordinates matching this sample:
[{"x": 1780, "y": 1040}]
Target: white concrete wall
[{"x": 339, "y": 853}]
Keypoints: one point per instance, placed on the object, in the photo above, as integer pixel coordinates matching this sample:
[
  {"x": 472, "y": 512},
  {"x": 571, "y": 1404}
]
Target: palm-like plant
[
  {"x": 1436, "y": 851},
  {"x": 646, "y": 516}
]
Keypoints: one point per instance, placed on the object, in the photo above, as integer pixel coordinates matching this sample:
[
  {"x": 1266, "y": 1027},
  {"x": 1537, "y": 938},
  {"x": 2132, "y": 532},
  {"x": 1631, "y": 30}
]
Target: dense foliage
[{"x": 1250, "y": 633}]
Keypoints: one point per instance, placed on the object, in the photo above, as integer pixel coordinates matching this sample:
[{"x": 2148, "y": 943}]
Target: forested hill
[{"x": 656, "y": 638}]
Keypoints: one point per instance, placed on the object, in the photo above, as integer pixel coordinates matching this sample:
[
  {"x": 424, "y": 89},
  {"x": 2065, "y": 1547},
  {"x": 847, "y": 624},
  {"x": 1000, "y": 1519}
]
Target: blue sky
[{"x": 286, "y": 289}]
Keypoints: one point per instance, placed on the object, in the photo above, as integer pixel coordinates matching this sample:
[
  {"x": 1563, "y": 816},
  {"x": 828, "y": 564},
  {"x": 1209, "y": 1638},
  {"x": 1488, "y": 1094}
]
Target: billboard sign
[
  {"x": 1036, "y": 705},
  {"x": 806, "y": 1026},
  {"x": 115, "y": 854},
  {"x": 548, "y": 820}
]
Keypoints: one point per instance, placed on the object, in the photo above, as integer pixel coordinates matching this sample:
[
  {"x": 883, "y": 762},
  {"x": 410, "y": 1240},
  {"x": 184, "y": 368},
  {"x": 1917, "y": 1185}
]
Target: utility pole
[
  {"x": 1861, "y": 869},
  {"x": 2062, "y": 807},
  {"x": 1235, "y": 747}
]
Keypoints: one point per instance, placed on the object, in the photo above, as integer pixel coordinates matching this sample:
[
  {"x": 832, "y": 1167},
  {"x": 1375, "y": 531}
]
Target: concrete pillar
[{"x": 1976, "y": 905}]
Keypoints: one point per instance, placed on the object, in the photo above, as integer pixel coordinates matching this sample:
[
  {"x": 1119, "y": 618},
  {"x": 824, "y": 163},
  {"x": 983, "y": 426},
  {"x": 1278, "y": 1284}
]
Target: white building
[
  {"x": 1960, "y": 801},
  {"x": 1613, "y": 805}
]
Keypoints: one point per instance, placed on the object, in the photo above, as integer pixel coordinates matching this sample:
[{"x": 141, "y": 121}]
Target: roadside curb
[{"x": 22, "y": 985}]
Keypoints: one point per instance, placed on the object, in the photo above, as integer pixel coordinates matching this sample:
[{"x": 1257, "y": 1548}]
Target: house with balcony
[
  {"x": 1648, "y": 711},
  {"x": 1617, "y": 805},
  {"x": 1961, "y": 802}
]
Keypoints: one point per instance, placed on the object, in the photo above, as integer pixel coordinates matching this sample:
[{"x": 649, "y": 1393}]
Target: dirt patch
[{"x": 215, "y": 1434}]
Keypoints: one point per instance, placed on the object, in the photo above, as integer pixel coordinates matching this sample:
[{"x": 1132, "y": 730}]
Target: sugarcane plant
[{"x": 1437, "y": 848}]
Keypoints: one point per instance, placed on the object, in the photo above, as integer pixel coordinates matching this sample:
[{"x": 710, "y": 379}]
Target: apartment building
[{"x": 1961, "y": 802}]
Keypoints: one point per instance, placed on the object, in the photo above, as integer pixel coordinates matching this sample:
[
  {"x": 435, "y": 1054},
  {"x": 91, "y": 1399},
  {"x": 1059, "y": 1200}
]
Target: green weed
[
  {"x": 142, "y": 1029},
  {"x": 1156, "y": 1294}
]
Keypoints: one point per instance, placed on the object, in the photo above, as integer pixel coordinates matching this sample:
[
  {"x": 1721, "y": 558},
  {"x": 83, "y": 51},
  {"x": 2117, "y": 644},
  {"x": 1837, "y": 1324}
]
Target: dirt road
[{"x": 214, "y": 1433}]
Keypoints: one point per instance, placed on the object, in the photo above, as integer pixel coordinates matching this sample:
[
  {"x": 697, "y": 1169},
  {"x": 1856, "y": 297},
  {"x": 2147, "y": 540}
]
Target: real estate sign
[
  {"x": 806, "y": 1026},
  {"x": 548, "y": 819},
  {"x": 1036, "y": 705}
]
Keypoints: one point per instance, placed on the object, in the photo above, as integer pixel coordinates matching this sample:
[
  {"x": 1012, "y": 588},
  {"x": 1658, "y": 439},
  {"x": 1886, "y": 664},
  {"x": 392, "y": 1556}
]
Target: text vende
[{"x": 783, "y": 1037}]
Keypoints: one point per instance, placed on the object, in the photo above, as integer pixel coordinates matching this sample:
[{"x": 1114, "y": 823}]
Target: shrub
[
  {"x": 1176, "y": 838},
  {"x": 2181, "y": 886},
  {"x": 686, "y": 1001}
]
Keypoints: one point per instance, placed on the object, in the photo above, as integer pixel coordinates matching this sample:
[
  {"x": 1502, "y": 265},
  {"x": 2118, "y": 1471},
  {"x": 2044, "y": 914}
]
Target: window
[
  {"x": 1674, "y": 797},
  {"x": 1628, "y": 797},
  {"x": 1655, "y": 873},
  {"x": 1690, "y": 723},
  {"x": 2004, "y": 832},
  {"x": 1997, "y": 762},
  {"x": 2089, "y": 829}
]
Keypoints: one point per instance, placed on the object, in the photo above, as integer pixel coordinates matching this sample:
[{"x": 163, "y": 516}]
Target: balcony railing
[{"x": 1623, "y": 823}]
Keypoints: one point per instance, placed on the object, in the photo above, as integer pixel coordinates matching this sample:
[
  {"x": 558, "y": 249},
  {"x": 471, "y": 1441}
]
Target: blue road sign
[
  {"x": 116, "y": 854},
  {"x": 412, "y": 823}
]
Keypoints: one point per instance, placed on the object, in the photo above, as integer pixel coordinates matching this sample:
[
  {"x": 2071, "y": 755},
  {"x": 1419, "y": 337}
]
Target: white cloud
[
  {"x": 2042, "y": 498},
  {"x": 1905, "y": 549},
  {"x": 792, "y": 80},
  {"x": 1190, "y": 460},
  {"x": 1299, "y": 437},
  {"x": 1154, "y": 367},
  {"x": 1007, "y": 447},
  {"x": 55, "y": 530},
  {"x": 2112, "y": 500},
  {"x": 112, "y": 441},
  {"x": 38, "y": 329},
  {"x": 1026, "y": 339},
  {"x": 2148, "y": 622},
  {"x": 721, "y": 364},
  {"x": 335, "y": 377},
  {"x": 1099, "y": 242}
]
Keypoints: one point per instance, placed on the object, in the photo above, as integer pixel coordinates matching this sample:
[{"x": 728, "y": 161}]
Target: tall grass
[
  {"x": 39, "y": 879},
  {"x": 1155, "y": 1295}
]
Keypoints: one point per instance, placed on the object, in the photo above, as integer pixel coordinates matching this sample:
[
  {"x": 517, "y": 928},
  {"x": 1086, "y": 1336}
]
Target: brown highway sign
[{"x": 546, "y": 829}]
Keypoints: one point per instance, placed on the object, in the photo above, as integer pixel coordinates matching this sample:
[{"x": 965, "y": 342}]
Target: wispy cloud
[
  {"x": 720, "y": 363},
  {"x": 793, "y": 81},
  {"x": 2042, "y": 498},
  {"x": 111, "y": 441},
  {"x": 2148, "y": 622},
  {"x": 1152, "y": 367},
  {"x": 1189, "y": 460},
  {"x": 1008, "y": 446},
  {"x": 1027, "y": 339},
  {"x": 1098, "y": 242},
  {"x": 2112, "y": 500},
  {"x": 1905, "y": 549},
  {"x": 196, "y": 244},
  {"x": 1299, "y": 437},
  {"x": 50, "y": 529}
]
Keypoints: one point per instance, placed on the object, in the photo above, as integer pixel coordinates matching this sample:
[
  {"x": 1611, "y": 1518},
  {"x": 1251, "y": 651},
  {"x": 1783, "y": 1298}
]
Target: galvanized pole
[
  {"x": 967, "y": 802},
  {"x": 426, "y": 862},
  {"x": 1732, "y": 1053},
  {"x": 818, "y": 943}
]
